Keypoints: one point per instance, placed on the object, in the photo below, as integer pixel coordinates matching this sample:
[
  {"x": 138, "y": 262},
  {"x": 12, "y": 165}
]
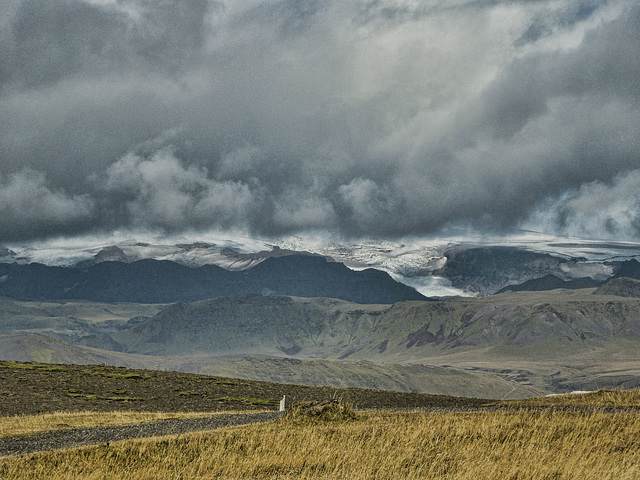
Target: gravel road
[{"x": 79, "y": 437}]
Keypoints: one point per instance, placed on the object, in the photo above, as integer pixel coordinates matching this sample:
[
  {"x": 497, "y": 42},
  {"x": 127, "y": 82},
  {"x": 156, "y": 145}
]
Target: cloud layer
[{"x": 366, "y": 118}]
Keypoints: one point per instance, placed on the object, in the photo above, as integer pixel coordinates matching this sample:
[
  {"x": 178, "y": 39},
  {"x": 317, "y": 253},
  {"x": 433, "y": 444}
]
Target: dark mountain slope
[
  {"x": 153, "y": 281},
  {"x": 550, "y": 282},
  {"x": 486, "y": 270},
  {"x": 628, "y": 269},
  {"x": 621, "y": 287},
  {"x": 307, "y": 276}
]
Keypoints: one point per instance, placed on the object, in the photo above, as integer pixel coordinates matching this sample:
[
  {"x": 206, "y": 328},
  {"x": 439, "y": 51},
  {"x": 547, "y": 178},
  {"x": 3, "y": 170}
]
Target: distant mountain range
[
  {"x": 555, "y": 318},
  {"x": 520, "y": 343},
  {"x": 153, "y": 281},
  {"x": 435, "y": 268}
]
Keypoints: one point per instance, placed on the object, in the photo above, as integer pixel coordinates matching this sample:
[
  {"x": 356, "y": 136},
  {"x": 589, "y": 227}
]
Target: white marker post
[{"x": 282, "y": 404}]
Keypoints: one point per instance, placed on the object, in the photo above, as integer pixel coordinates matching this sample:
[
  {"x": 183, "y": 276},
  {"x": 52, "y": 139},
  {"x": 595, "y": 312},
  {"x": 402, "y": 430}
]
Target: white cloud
[
  {"x": 607, "y": 211},
  {"x": 159, "y": 191},
  {"x": 31, "y": 207},
  {"x": 301, "y": 209}
]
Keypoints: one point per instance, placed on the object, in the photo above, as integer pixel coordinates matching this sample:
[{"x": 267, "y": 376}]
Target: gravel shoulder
[{"x": 79, "y": 437}]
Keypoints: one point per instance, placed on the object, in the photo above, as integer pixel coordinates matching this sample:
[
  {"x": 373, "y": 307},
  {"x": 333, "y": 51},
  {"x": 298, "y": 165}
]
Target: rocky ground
[{"x": 32, "y": 388}]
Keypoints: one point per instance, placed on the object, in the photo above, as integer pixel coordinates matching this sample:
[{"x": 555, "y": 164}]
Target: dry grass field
[
  {"x": 34, "y": 424},
  {"x": 600, "y": 399},
  {"x": 504, "y": 444}
]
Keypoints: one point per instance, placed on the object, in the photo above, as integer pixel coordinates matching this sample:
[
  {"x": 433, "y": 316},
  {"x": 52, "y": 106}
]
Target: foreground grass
[
  {"x": 380, "y": 445},
  {"x": 598, "y": 399},
  {"x": 33, "y": 424}
]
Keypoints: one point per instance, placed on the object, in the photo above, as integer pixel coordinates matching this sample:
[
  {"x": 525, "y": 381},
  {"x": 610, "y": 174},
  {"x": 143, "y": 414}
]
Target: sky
[{"x": 365, "y": 119}]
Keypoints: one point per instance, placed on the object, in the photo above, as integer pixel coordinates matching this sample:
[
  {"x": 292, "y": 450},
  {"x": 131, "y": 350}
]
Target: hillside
[
  {"x": 516, "y": 344},
  {"x": 312, "y": 372},
  {"x": 621, "y": 287},
  {"x": 30, "y": 388},
  {"x": 271, "y": 325},
  {"x": 539, "y": 340},
  {"x": 512, "y": 325}
]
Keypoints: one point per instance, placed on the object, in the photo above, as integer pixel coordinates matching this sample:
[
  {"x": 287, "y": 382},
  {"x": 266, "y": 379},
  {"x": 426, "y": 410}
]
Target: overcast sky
[{"x": 366, "y": 118}]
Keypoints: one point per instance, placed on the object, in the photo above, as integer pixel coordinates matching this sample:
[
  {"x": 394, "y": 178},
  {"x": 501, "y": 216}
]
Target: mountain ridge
[
  {"x": 510, "y": 324},
  {"x": 479, "y": 266},
  {"x": 620, "y": 286},
  {"x": 550, "y": 282},
  {"x": 162, "y": 281}
]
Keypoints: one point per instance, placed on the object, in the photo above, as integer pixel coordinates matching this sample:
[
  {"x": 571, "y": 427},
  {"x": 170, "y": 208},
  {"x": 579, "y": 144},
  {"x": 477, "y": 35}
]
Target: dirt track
[{"x": 78, "y": 437}]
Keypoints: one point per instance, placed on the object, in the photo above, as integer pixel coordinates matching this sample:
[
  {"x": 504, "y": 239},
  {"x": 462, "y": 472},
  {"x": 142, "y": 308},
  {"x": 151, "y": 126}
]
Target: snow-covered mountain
[{"x": 462, "y": 265}]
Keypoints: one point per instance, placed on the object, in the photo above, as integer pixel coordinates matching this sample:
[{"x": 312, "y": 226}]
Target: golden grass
[
  {"x": 27, "y": 424},
  {"x": 375, "y": 445},
  {"x": 598, "y": 399}
]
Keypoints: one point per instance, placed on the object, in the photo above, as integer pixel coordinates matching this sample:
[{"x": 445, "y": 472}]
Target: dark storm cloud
[
  {"x": 595, "y": 210},
  {"x": 159, "y": 191},
  {"x": 605, "y": 65},
  {"x": 364, "y": 118},
  {"x": 30, "y": 206},
  {"x": 54, "y": 40}
]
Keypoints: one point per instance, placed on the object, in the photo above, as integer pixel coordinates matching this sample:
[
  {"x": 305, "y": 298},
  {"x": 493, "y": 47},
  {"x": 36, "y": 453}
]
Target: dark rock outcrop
[
  {"x": 550, "y": 282},
  {"x": 621, "y": 287}
]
